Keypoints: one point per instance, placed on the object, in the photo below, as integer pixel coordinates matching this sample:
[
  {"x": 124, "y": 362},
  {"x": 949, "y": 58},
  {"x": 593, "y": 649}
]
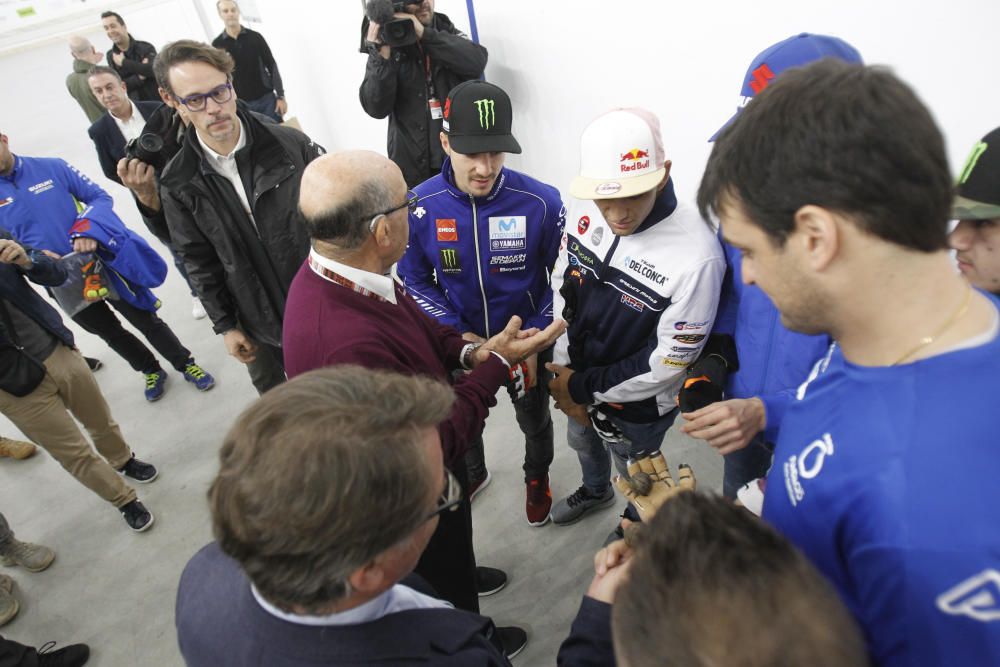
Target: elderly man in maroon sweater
[{"x": 344, "y": 308}]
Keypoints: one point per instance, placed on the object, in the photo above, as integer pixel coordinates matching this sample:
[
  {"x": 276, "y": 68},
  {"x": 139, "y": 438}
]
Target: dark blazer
[
  {"x": 110, "y": 142},
  {"x": 220, "y": 624}
]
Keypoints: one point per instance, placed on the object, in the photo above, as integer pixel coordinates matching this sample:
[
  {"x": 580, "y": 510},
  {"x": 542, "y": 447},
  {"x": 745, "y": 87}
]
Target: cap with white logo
[{"x": 621, "y": 155}]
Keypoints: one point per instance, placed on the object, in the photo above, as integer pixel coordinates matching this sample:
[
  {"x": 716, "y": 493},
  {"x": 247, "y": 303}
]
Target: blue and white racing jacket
[
  {"x": 639, "y": 307},
  {"x": 39, "y": 206},
  {"x": 473, "y": 262}
]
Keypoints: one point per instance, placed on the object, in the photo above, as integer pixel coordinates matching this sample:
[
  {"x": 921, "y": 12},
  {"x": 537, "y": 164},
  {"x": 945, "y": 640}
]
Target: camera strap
[{"x": 431, "y": 93}]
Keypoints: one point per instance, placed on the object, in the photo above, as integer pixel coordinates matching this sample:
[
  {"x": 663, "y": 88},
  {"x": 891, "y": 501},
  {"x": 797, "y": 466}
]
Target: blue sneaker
[
  {"x": 196, "y": 374},
  {"x": 156, "y": 383}
]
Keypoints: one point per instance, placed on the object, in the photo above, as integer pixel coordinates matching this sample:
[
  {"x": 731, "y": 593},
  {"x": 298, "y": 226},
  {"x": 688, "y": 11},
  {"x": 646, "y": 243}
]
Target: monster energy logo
[
  {"x": 449, "y": 260},
  {"x": 487, "y": 114},
  {"x": 977, "y": 152}
]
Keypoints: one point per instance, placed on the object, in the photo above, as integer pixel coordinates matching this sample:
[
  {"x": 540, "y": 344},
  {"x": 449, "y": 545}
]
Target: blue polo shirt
[{"x": 888, "y": 479}]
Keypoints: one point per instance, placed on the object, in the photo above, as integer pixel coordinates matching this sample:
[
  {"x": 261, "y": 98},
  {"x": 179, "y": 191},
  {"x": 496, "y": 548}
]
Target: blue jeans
[
  {"x": 745, "y": 465},
  {"x": 593, "y": 451},
  {"x": 265, "y": 105}
]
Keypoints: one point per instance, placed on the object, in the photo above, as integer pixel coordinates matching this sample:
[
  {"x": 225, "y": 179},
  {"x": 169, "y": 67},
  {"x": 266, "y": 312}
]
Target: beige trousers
[{"x": 42, "y": 415}]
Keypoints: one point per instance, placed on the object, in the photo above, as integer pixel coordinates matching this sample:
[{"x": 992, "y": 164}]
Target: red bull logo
[{"x": 635, "y": 160}]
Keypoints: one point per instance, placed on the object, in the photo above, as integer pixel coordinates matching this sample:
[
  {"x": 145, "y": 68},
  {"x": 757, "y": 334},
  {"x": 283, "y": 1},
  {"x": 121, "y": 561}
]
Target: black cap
[
  {"x": 978, "y": 191},
  {"x": 477, "y": 118}
]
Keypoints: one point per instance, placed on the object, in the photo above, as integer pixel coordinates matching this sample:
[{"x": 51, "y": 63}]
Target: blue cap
[{"x": 795, "y": 51}]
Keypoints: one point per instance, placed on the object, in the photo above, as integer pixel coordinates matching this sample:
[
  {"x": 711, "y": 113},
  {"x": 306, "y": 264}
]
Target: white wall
[{"x": 562, "y": 63}]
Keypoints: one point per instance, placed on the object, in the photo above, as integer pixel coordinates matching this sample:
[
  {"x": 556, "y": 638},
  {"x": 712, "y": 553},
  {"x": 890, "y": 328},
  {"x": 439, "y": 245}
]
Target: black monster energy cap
[
  {"x": 477, "y": 118},
  {"x": 978, "y": 191}
]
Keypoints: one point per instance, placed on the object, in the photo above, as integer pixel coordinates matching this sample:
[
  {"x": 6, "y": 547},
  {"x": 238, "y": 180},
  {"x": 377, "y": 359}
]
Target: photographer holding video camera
[{"x": 415, "y": 58}]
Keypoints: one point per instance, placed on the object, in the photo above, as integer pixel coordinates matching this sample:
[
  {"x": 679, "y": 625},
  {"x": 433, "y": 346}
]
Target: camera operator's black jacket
[
  {"x": 241, "y": 273},
  {"x": 397, "y": 88}
]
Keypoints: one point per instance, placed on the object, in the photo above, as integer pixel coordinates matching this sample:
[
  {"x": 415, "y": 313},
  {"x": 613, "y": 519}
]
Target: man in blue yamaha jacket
[
  {"x": 39, "y": 198},
  {"x": 482, "y": 246},
  {"x": 773, "y": 361}
]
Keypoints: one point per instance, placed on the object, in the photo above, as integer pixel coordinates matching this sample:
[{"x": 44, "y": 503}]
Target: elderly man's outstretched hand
[{"x": 516, "y": 345}]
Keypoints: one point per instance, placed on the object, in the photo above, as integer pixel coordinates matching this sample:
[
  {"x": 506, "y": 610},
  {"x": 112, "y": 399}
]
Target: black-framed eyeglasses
[
  {"x": 410, "y": 204},
  {"x": 197, "y": 102},
  {"x": 451, "y": 496}
]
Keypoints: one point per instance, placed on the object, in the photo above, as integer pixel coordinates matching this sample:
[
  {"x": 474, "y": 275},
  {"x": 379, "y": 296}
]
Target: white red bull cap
[{"x": 621, "y": 155}]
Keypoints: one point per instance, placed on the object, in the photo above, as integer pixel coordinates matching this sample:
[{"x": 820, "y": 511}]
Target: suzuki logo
[{"x": 761, "y": 78}]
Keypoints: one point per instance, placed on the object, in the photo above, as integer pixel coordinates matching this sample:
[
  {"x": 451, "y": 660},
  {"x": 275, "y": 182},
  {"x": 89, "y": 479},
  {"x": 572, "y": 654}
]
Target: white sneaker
[{"x": 197, "y": 310}]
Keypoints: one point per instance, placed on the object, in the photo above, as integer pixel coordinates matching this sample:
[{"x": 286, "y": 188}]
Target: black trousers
[
  {"x": 268, "y": 369},
  {"x": 13, "y": 654},
  {"x": 449, "y": 562},
  {"x": 100, "y": 321},
  {"x": 534, "y": 419}
]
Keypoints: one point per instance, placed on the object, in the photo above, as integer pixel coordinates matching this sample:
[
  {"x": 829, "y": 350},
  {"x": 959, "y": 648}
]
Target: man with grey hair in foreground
[{"x": 329, "y": 488}]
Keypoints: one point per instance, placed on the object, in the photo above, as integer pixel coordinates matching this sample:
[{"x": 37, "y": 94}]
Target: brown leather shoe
[{"x": 16, "y": 449}]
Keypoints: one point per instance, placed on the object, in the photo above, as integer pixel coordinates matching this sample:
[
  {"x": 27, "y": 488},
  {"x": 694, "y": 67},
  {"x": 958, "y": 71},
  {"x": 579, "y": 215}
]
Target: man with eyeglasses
[
  {"x": 483, "y": 242},
  {"x": 313, "y": 555},
  {"x": 229, "y": 198},
  {"x": 345, "y": 308}
]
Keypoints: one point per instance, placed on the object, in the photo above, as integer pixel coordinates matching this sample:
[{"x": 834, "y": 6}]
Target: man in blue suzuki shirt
[{"x": 483, "y": 242}]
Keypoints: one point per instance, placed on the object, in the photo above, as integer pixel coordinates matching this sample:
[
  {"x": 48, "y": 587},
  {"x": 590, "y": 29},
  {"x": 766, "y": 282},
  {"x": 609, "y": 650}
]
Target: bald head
[
  {"x": 341, "y": 192},
  {"x": 81, "y": 48}
]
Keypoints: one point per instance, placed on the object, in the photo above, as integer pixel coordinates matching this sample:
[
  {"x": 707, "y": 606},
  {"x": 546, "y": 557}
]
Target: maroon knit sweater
[{"x": 328, "y": 324}]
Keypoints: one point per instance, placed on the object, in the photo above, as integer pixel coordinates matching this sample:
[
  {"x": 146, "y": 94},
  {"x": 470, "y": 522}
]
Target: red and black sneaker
[{"x": 538, "y": 501}]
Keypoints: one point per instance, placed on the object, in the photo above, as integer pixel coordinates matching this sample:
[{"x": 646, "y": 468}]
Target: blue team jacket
[
  {"x": 38, "y": 206},
  {"x": 473, "y": 262},
  {"x": 774, "y": 361}
]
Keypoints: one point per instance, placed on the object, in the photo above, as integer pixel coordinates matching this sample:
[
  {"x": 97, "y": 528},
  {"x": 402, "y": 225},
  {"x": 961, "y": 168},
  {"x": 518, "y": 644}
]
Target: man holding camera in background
[{"x": 415, "y": 58}]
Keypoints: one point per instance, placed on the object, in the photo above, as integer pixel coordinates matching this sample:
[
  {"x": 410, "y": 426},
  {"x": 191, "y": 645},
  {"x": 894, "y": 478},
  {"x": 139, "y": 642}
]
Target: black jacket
[
  {"x": 133, "y": 67},
  {"x": 397, "y": 88},
  {"x": 110, "y": 142},
  {"x": 241, "y": 273},
  {"x": 46, "y": 272}
]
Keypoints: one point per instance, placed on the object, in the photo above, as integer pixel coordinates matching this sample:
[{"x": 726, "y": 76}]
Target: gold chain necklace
[{"x": 924, "y": 342}]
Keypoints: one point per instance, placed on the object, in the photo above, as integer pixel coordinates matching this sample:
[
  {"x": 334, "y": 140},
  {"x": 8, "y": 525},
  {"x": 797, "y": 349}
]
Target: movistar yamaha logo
[{"x": 487, "y": 113}]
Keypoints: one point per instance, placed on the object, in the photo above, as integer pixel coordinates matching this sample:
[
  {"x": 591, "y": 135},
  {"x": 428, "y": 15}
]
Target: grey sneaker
[
  {"x": 32, "y": 557},
  {"x": 8, "y": 606},
  {"x": 573, "y": 507}
]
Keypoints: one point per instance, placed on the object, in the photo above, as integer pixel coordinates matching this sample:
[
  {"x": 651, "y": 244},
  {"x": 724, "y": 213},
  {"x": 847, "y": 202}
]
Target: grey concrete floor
[{"x": 114, "y": 589}]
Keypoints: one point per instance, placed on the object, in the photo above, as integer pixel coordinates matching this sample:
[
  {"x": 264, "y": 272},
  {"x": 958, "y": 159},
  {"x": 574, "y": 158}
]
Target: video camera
[{"x": 393, "y": 32}]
